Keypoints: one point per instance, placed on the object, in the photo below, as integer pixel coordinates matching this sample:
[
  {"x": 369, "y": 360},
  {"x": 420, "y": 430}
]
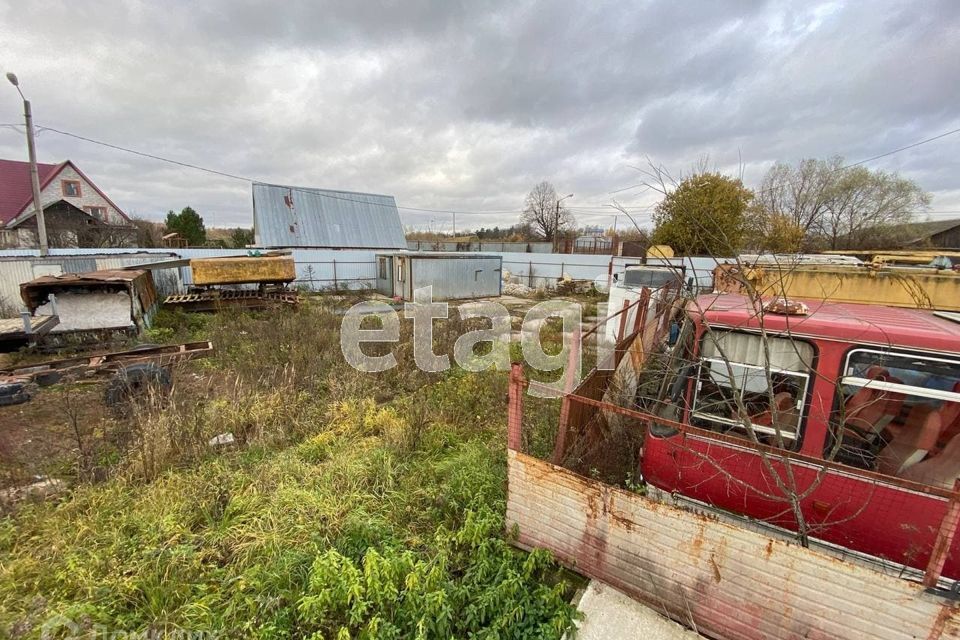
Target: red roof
[
  {"x": 865, "y": 323},
  {"x": 15, "y": 190}
]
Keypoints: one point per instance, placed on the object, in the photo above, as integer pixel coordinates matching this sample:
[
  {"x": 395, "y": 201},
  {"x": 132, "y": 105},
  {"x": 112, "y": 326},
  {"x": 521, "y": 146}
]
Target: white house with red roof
[{"x": 77, "y": 213}]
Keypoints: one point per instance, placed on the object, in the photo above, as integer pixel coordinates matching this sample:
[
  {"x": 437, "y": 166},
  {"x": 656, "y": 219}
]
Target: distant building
[
  {"x": 76, "y": 212},
  {"x": 593, "y": 244},
  {"x": 305, "y": 217},
  {"x": 943, "y": 234},
  {"x": 173, "y": 240}
]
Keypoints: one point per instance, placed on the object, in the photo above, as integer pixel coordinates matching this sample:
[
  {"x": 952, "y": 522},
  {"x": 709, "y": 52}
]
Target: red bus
[{"x": 838, "y": 420}]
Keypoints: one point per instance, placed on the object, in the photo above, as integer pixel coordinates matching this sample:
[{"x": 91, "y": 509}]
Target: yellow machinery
[
  {"x": 915, "y": 288},
  {"x": 661, "y": 251},
  {"x": 216, "y": 283},
  {"x": 919, "y": 257},
  {"x": 243, "y": 270}
]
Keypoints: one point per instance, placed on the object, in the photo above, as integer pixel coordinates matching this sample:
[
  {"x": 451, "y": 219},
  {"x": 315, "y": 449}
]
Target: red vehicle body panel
[{"x": 879, "y": 515}]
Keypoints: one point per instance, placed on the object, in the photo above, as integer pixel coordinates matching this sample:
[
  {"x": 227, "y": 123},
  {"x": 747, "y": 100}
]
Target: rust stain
[
  {"x": 592, "y": 508},
  {"x": 946, "y": 613},
  {"x": 535, "y": 471},
  {"x": 769, "y": 550},
  {"x": 716, "y": 570},
  {"x": 623, "y": 521},
  {"x": 696, "y": 545}
]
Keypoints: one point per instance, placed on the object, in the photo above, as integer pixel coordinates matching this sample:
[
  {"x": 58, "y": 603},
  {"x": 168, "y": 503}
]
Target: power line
[
  {"x": 298, "y": 189},
  {"x": 583, "y": 210},
  {"x": 146, "y": 155},
  {"x": 909, "y": 146},
  {"x": 847, "y": 166}
]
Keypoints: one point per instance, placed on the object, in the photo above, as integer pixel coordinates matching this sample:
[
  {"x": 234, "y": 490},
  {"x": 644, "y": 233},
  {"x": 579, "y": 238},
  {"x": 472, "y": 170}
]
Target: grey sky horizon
[{"x": 465, "y": 105}]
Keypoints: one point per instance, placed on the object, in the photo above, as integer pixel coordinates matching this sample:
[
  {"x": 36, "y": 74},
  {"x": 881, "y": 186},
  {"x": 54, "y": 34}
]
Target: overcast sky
[{"x": 466, "y": 105}]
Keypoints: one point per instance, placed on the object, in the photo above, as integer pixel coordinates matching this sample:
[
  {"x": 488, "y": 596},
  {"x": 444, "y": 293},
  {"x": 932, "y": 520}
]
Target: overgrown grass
[{"x": 351, "y": 505}]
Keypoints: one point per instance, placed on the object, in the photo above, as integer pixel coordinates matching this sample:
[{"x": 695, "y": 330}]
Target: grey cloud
[{"x": 466, "y": 105}]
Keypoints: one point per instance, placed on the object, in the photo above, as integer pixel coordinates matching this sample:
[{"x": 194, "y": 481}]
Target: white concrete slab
[{"x": 611, "y": 615}]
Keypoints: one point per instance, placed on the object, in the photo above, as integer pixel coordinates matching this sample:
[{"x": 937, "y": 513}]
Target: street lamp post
[
  {"x": 556, "y": 226},
  {"x": 34, "y": 174}
]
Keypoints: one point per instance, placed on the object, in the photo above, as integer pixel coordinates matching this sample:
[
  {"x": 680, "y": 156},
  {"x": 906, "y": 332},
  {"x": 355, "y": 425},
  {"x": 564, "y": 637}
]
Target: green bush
[{"x": 473, "y": 584}]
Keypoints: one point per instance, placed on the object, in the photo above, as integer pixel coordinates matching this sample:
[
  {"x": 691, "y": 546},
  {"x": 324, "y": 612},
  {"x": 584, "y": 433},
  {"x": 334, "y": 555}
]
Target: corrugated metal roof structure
[{"x": 303, "y": 217}]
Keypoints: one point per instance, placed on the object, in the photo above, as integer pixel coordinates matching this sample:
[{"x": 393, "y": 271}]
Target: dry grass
[{"x": 329, "y": 464}]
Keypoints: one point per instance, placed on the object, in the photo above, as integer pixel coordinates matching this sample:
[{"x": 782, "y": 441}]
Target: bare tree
[
  {"x": 545, "y": 214},
  {"x": 800, "y": 193},
  {"x": 149, "y": 233},
  {"x": 831, "y": 204},
  {"x": 862, "y": 201}
]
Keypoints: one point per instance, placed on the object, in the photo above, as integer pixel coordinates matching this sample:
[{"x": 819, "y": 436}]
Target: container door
[
  {"x": 400, "y": 277},
  {"x": 385, "y": 275}
]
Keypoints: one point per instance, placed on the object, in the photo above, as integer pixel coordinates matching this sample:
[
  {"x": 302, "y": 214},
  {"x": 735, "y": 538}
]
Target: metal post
[
  {"x": 515, "y": 408},
  {"x": 35, "y": 180},
  {"x": 641, "y": 319},
  {"x": 336, "y": 287},
  {"x": 623, "y": 321},
  {"x": 556, "y": 229},
  {"x": 573, "y": 363},
  {"x": 530, "y": 274},
  {"x": 941, "y": 547}
]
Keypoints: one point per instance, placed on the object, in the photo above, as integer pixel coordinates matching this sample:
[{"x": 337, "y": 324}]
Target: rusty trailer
[
  {"x": 217, "y": 299},
  {"x": 264, "y": 279},
  {"x": 54, "y": 371}
]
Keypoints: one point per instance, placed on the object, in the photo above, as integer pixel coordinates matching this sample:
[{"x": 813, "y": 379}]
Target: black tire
[
  {"x": 11, "y": 388},
  {"x": 134, "y": 382},
  {"x": 47, "y": 378},
  {"x": 16, "y": 398}
]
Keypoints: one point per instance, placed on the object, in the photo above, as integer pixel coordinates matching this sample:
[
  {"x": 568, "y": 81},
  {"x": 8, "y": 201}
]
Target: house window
[
  {"x": 767, "y": 378},
  {"x": 97, "y": 212},
  {"x": 383, "y": 268},
  {"x": 71, "y": 188}
]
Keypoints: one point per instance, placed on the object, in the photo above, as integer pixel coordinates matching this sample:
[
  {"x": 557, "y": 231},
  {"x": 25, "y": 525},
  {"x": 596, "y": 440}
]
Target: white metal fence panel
[{"x": 329, "y": 269}]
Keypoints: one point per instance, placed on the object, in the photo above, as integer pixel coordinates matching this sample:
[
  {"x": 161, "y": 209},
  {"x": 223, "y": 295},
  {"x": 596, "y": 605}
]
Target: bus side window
[
  {"x": 896, "y": 412},
  {"x": 753, "y": 387}
]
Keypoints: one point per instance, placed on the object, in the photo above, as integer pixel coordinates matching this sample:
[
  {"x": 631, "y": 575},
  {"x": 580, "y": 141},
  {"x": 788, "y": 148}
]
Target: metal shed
[
  {"x": 305, "y": 217},
  {"x": 453, "y": 276}
]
